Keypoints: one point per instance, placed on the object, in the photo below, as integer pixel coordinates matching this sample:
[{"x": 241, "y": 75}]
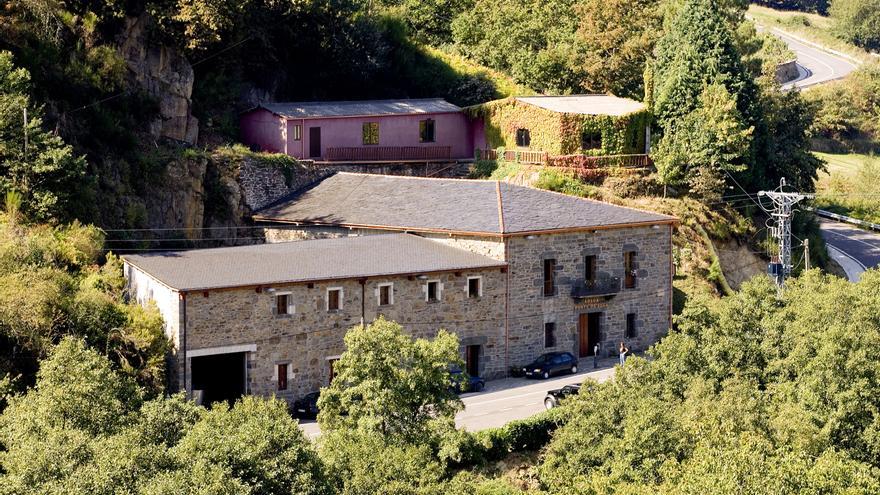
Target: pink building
[{"x": 374, "y": 130}]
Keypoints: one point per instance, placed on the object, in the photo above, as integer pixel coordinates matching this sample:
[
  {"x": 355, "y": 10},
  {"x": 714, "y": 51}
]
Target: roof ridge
[
  {"x": 500, "y": 205},
  {"x": 416, "y": 177},
  {"x": 591, "y": 200}
]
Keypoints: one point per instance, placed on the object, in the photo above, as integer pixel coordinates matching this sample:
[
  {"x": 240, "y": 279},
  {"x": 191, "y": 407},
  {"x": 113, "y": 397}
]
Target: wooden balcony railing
[
  {"x": 388, "y": 153},
  {"x": 607, "y": 161},
  {"x": 572, "y": 162}
]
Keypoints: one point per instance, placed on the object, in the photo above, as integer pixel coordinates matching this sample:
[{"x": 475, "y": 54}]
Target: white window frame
[
  {"x": 439, "y": 290},
  {"x": 467, "y": 288},
  {"x": 289, "y": 375},
  {"x": 327, "y": 298},
  {"x": 291, "y": 308},
  {"x": 390, "y": 286}
]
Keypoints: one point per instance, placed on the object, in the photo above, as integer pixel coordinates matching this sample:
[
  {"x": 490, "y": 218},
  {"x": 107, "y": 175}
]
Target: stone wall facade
[
  {"x": 309, "y": 339},
  {"x": 528, "y": 309}
]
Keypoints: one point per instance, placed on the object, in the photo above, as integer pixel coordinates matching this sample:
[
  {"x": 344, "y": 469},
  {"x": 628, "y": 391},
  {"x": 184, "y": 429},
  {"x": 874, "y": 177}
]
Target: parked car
[
  {"x": 462, "y": 382},
  {"x": 307, "y": 406},
  {"x": 551, "y": 363},
  {"x": 556, "y": 395}
]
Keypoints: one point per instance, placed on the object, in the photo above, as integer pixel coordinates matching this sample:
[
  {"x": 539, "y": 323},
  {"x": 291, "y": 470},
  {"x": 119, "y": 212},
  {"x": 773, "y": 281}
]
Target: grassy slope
[
  {"x": 813, "y": 27},
  {"x": 847, "y": 165}
]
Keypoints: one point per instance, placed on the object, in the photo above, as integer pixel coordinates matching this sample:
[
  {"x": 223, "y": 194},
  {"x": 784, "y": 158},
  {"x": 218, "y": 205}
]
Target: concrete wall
[
  {"x": 268, "y": 132},
  {"x": 451, "y": 129},
  {"x": 787, "y": 71},
  {"x": 143, "y": 289},
  {"x": 309, "y": 338},
  {"x": 263, "y": 130}
]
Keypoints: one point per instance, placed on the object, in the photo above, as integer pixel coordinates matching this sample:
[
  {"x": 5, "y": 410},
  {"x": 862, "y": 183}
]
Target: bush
[{"x": 494, "y": 444}]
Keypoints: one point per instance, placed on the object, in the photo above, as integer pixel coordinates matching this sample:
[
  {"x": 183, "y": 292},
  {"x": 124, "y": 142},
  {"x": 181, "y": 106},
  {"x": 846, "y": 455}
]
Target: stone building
[
  {"x": 580, "y": 272},
  {"x": 270, "y": 318}
]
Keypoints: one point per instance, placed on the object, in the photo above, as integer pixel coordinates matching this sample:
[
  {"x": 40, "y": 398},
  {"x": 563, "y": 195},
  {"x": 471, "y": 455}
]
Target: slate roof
[
  {"x": 309, "y": 109},
  {"x": 446, "y": 205},
  {"x": 585, "y": 104},
  {"x": 303, "y": 261}
]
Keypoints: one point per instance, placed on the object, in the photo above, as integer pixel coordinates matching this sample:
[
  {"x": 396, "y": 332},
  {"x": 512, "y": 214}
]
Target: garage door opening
[{"x": 220, "y": 377}]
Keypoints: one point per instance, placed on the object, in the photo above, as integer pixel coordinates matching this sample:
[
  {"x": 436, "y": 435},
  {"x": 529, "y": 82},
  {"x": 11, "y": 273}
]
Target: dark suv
[{"x": 551, "y": 363}]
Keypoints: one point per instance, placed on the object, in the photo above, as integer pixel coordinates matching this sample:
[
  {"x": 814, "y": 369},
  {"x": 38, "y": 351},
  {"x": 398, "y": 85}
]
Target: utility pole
[
  {"x": 806, "y": 254},
  {"x": 783, "y": 203}
]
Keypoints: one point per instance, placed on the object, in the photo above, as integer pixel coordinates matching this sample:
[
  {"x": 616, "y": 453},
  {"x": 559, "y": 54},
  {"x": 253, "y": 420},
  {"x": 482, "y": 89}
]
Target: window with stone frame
[
  {"x": 282, "y": 376},
  {"x": 432, "y": 293},
  {"x": 475, "y": 287},
  {"x": 550, "y": 334},
  {"x": 629, "y": 270},
  {"x": 630, "y": 332},
  {"x": 386, "y": 294},
  {"x": 590, "y": 269},
  {"x": 549, "y": 277},
  {"x": 283, "y": 304},
  {"x": 370, "y": 133},
  {"x": 334, "y": 299}
]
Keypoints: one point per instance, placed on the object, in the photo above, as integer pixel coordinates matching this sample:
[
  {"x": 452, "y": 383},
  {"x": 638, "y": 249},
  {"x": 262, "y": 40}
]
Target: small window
[
  {"x": 591, "y": 140},
  {"x": 334, "y": 299},
  {"x": 589, "y": 269},
  {"x": 433, "y": 294},
  {"x": 629, "y": 270},
  {"x": 282, "y": 304},
  {"x": 550, "y": 334},
  {"x": 549, "y": 277},
  {"x": 297, "y": 132},
  {"x": 282, "y": 376},
  {"x": 475, "y": 288},
  {"x": 371, "y": 133},
  {"x": 386, "y": 295},
  {"x": 426, "y": 131},
  {"x": 523, "y": 138},
  {"x": 630, "y": 326}
]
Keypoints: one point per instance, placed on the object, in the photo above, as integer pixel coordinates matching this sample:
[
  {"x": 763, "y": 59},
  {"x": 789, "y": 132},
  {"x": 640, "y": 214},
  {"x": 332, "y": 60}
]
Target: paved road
[
  {"x": 516, "y": 398},
  {"x": 816, "y": 65},
  {"x": 860, "y": 245},
  {"x": 509, "y": 398}
]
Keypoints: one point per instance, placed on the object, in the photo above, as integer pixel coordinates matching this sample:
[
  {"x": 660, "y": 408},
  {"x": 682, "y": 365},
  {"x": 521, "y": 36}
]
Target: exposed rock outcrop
[{"x": 165, "y": 74}]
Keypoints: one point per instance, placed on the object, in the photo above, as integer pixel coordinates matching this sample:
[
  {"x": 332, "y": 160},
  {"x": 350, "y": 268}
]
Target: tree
[
  {"x": 390, "y": 384},
  {"x": 700, "y": 147},
  {"x": 84, "y": 429},
  {"x": 613, "y": 41},
  {"x": 857, "y": 21},
  {"x": 698, "y": 48},
  {"x": 751, "y": 392},
  {"x": 34, "y": 162}
]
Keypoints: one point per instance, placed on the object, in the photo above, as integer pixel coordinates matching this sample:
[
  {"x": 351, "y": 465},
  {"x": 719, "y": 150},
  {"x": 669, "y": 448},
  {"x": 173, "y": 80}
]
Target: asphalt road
[
  {"x": 508, "y": 399},
  {"x": 816, "y": 65},
  {"x": 861, "y": 245}
]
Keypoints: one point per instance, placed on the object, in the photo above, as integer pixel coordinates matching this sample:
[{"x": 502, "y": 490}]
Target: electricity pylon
[{"x": 783, "y": 205}]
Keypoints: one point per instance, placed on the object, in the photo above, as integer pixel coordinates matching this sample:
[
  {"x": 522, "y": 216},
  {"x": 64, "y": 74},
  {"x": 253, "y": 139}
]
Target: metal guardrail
[{"x": 844, "y": 218}]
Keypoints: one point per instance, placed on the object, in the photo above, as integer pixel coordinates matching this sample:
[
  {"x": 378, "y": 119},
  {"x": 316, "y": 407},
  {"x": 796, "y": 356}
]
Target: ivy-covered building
[{"x": 596, "y": 125}]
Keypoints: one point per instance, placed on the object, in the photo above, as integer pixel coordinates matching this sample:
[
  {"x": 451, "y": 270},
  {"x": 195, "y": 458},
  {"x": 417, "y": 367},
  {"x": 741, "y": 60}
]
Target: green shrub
[{"x": 494, "y": 444}]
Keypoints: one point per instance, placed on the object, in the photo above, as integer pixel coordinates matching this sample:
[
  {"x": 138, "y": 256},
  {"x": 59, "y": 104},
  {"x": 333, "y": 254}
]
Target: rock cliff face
[{"x": 165, "y": 74}]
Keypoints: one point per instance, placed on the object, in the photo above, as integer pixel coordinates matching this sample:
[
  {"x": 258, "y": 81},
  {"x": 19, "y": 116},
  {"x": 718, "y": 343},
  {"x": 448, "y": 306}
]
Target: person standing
[
  {"x": 596, "y": 355},
  {"x": 623, "y": 350}
]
